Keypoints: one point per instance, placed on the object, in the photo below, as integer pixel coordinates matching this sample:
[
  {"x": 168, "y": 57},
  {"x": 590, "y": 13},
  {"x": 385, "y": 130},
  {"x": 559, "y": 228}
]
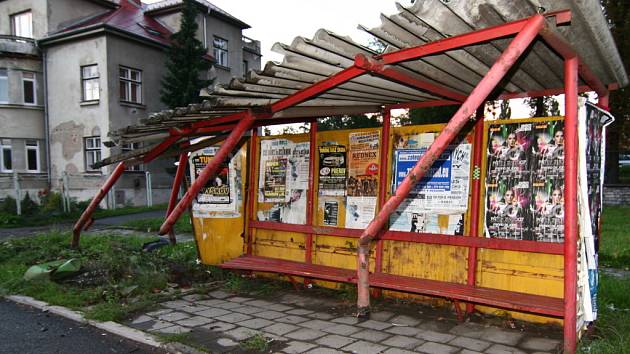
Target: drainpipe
[{"x": 46, "y": 123}]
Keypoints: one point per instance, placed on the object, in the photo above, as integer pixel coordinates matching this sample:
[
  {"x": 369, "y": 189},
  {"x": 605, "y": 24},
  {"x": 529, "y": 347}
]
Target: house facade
[{"x": 74, "y": 70}]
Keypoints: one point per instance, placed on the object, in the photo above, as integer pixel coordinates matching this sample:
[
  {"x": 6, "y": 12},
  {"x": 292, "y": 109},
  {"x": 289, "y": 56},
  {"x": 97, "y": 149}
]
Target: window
[
  {"x": 4, "y": 86},
  {"x": 90, "y": 83},
  {"x": 245, "y": 67},
  {"x": 128, "y": 148},
  {"x": 28, "y": 87},
  {"x": 22, "y": 24},
  {"x": 130, "y": 85},
  {"x": 92, "y": 152},
  {"x": 220, "y": 46},
  {"x": 32, "y": 156},
  {"x": 6, "y": 158}
]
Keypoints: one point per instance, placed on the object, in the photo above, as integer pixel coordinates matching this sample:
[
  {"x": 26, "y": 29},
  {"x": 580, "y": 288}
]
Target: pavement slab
[
  {"x": 436, "y": 348},
  {"x": 305, "y": 334},
  {"x": 372, "y": 335},
  {"x": 541, "y": 344},
  {"x": 334, "y": 341},
  {"x": 295, "y": 347},
  {"x": 280, "y": 329},
  {"x": 364, "y": 347}
]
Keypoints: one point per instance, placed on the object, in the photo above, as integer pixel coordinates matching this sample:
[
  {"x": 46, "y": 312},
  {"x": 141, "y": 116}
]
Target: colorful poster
[
  {"x": 359, "y": 212},
  {"x": 217, "y": 189},
  {"x": 220, "y": 197},
  {"x": 275, "y": 179},
  {"x": 274, "y": 155},
  {"x": 548, "y": 210},
  {"x": 331, "y": 212},
  {"x": 363, "y": 164},
  {"x": 332, "y": 170},
  {"x": 508, "y": 158}
]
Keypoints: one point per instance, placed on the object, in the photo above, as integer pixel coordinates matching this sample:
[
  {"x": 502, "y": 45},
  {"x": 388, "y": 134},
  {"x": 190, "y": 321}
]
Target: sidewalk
[{"x": 299, "y": 323}]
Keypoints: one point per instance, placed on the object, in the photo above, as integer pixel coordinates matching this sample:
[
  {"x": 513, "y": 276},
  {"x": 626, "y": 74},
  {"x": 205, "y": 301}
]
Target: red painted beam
[
  {"x": 521, "y": 42},
  {"x": 382, "y": 181},
  {"x": 177, "y": 184},
  {"x": 159, "y": 149},
  {"x": 86, "y": 216},
  {"x": 570, "y": 202},
  {"x": 251, "y": 189},
  {"x": 310, "y": 202},
  {"x": 209, "y": 171},
  {"x": 423, "y": 104}
]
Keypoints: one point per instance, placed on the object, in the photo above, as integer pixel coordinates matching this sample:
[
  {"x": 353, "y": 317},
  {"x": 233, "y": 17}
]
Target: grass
[
  {"x": 615, "y": 244},
  {"x": 153, "y": 224},
  {"x": 624, "y": 174},
  {"x": 118, "y": 279},
  {"x": 256, "y": 343}
]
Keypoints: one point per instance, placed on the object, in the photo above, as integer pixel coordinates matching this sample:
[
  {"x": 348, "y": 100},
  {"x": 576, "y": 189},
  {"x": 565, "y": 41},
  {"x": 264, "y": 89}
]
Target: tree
[
  {"x": 429, "y": 115},
  {"x": 348, "y": 122},
  {"x": 186, "y": 63},
  {"x": 618, "y": 134}
]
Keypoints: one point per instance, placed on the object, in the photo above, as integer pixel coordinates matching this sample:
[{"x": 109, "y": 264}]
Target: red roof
[{"x": 129, "y": 17}]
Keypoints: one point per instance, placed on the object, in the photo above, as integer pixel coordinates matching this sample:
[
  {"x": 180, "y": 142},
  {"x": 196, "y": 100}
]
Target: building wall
[
  {"x": 37, "y": 7},
  {"x": 234, "y": 36},
  {"x": 62, "y": 13}
]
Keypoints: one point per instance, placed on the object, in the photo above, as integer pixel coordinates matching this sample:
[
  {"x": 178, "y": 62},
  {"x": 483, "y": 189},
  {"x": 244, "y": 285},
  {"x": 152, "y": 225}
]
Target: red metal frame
[
  {"x": 251, "y": 189},
  {"x": 177, "y": 185},
  {"x": 382, "y": 183},
  {"x": 308, "y": 252}
]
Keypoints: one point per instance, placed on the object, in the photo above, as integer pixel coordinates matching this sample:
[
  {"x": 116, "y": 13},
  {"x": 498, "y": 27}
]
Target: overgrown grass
[
  {"x": 153, "y": 224},
  {"x": 615, "y": 243},
  {"x": 117, "y": 279},
  {"x": 256, "y": 343},
  {"x": 612, "y": 329}
]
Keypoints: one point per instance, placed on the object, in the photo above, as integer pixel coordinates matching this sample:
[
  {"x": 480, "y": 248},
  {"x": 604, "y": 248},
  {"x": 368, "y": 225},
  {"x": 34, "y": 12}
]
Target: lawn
[
  {"x": 183, "y": 224},
  {"x": 615, "y": 242}
]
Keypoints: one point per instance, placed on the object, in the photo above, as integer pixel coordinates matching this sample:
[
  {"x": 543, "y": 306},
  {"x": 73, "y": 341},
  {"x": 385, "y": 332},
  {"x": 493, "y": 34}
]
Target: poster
[
  {"x": 429, "y": 223},
  {"x": 221, "y": 196},
  {"x": 298, "y": 171},
  {"x": 292, "y": 211},
  {"x": 359, "y": 212},
  {"x": 332, "y": 170},
  {"x": 331, "y": 212},
  {"x": 363, "y": 164},
  {"x": 274, "y": 156}
]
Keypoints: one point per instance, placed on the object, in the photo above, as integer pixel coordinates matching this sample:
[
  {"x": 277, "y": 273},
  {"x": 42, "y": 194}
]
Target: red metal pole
[
  {"x": 208, "y": 171},
  {"x": 251, "y": 191},
  {"x": 311, "y": 190},
  {"x": 86, "y": 216},
  {"x": 570, "y": 202},
  {"x": 177, "y": 184},
  {"x": 475, "y": 201},
  {"x": 498, "y": 70},
  {"x": 382, "y": 182}
]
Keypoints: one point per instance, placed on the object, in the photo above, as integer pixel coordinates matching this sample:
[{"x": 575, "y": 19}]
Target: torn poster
[
  {"x": 219, "y": 197},
  {"x": 359, "y": 211}
]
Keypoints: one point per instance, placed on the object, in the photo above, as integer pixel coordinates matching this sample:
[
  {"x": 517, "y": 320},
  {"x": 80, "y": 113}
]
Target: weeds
[{"x": 256, "y": 343}]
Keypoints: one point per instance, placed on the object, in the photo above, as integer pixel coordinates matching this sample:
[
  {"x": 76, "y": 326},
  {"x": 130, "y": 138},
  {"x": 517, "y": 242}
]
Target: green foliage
[
  {"x": 51, "y": 202},
  {"x": 348, "y": 122},
  {"x": 615, "y": 246},
  {"x": 429, "y": 115},
  {"x": 29, "y": 207},
  {"x": 153, "y": 224},
  {"x": 256, "y": 343},
  {"x": 9, "y": 205},
  {"x": 186, "y": 62}
]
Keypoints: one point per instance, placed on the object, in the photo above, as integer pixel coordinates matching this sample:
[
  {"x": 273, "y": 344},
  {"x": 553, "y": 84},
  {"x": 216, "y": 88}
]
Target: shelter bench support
[
  {"x": 498, "y": 70},
  {"x": 177, "y": 184}
]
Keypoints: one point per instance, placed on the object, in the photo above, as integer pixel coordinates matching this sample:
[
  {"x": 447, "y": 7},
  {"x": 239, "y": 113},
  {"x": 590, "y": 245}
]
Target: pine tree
[{"x": 186, "y": 63}]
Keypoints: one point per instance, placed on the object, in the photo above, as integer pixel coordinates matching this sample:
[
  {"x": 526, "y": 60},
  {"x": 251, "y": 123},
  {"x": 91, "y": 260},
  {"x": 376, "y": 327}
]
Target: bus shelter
[{"x": 379, "y": 206}]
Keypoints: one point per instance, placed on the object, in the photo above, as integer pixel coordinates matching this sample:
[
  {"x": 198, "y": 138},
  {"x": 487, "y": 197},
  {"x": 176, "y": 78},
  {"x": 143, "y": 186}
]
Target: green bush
[
  {"x": 51, "y": 202},
  {"x": 8, "y": 219},
  {"x": 29, "y": 207},
  {"x": 9, "y": 205}
]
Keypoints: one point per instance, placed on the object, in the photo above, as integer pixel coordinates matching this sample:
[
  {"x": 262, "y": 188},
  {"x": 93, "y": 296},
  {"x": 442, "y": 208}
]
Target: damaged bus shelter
[{"x": 528, "y": 210}]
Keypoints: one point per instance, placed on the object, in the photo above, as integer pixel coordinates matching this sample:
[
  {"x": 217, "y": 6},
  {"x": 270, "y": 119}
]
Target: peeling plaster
[{"x": 69, "y": 135}]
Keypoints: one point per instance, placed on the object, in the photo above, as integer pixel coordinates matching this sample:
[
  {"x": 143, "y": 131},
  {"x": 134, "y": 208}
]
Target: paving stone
[
  {"x": 437, "y": 326},
  {"x": 370, "y": 334},
  {"x": 316, "y": 324},
  {"x": 335, "y": 341},
  {"x": 295, "y": 347},
  {"x": 240, "y": 299},
  {"x": 404, "y": 320},
  {"x": 255, "y": 323},
  {"x": 470, "y": 343},
  {"x": 159, "y": 325},
  {"x": 241, "y": 333},
  {"x": 472, "y": 330},
  {"x": 503, "y": 349},
  {"x": 219, "y": 326},
  {"x": 373, "y": 324},
  {"x": 194, "y": 309},
  {"x": 173, "y": 316},
  {"x": 173, "y": 330},
  {"x": 381, "y": 316},
  {"x": 158, "y": 312},
  {"x": 404, "y": 330},
  {"x": 305, "y": 334},
  {"x": 219, "y": 294},
  {"x": 321, "y": 315},
  {"x": 436, "y": 348},
  {"x": 292, "y": 319},
  {"x": 432, "y": 336},
  {"x": 226, "y": 342},
  {"x": 364, "y": 347},
  {"x": 175, "y": 304},
  {"x": 299, "y": 312},
  {"x": 279, "y": 307},
  {"x": 402, "y": 342},
  {"x": 226, "y": 305},
  {"x": 213, "y": 312},
  {"x": 194, "y": 297},
  {"x": 542, "y": 344},
  {"x": 194, "y": 321},
  {"x": 210, "y": 303},
  {"x": 397, "y": 351},
  {"x": 141, "y": 319},
  {"x": 341, "y": 329},
  {"x": 320, "y": 350},
  {"x": 466, "y": 351},
  {"x": 498, "y": 335},
  {"x": 280, "y": 328},
  {"x": 346, "y": 320},
  {"x": 248, "y": 310},
  {"x": 233, "y": 317},
  {"x": 270, "y": 315},
  {"x": 259, "y": 303}
]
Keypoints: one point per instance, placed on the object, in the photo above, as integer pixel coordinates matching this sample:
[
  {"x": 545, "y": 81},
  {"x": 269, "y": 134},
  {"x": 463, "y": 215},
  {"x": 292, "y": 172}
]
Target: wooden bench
[{"x": 511, "y": 300}]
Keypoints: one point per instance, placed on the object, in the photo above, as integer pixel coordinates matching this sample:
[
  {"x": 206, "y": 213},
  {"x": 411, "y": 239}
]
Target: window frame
[
  {"x": 131, "y": 147},
  {"x": 219, "y": 49},
  {"x": 5, "y": 144},
  {"x": 128, "y": 81},
  {"x": 92, "y": 150},
  {"x": 85, "y": 80},
  {"x": 35, "y": 147},
  {"x": 34, "y": 81},
  {"x": 14, "y": 27},
  {"x": 5, "y": 78}
]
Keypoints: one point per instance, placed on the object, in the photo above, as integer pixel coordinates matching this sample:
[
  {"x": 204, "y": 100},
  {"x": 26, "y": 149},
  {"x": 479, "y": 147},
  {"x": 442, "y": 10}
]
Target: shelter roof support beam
[{"x": 527, "y": 32}]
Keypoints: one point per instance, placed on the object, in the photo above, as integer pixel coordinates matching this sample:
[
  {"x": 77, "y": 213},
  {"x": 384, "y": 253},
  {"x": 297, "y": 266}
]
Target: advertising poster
[
  {"x": 297, "y": 174},
  {"x": 331, "y": 212},
  {"x": 274, "y": 155},
  {"x": 508, "y": 158},
  {"x": 359, "y": 211},
  {"x": 427, "y": 223},
  {"x": 275, "y": 179},
  {"x": 220, "y": 196},
  {"x": 548, "y": 210},
  {"x": 547, "y": 150},
  {"x": 363, "y": 164},
  {"x": 332, "y": 170},
  {"x": 293, "y": 211}
]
